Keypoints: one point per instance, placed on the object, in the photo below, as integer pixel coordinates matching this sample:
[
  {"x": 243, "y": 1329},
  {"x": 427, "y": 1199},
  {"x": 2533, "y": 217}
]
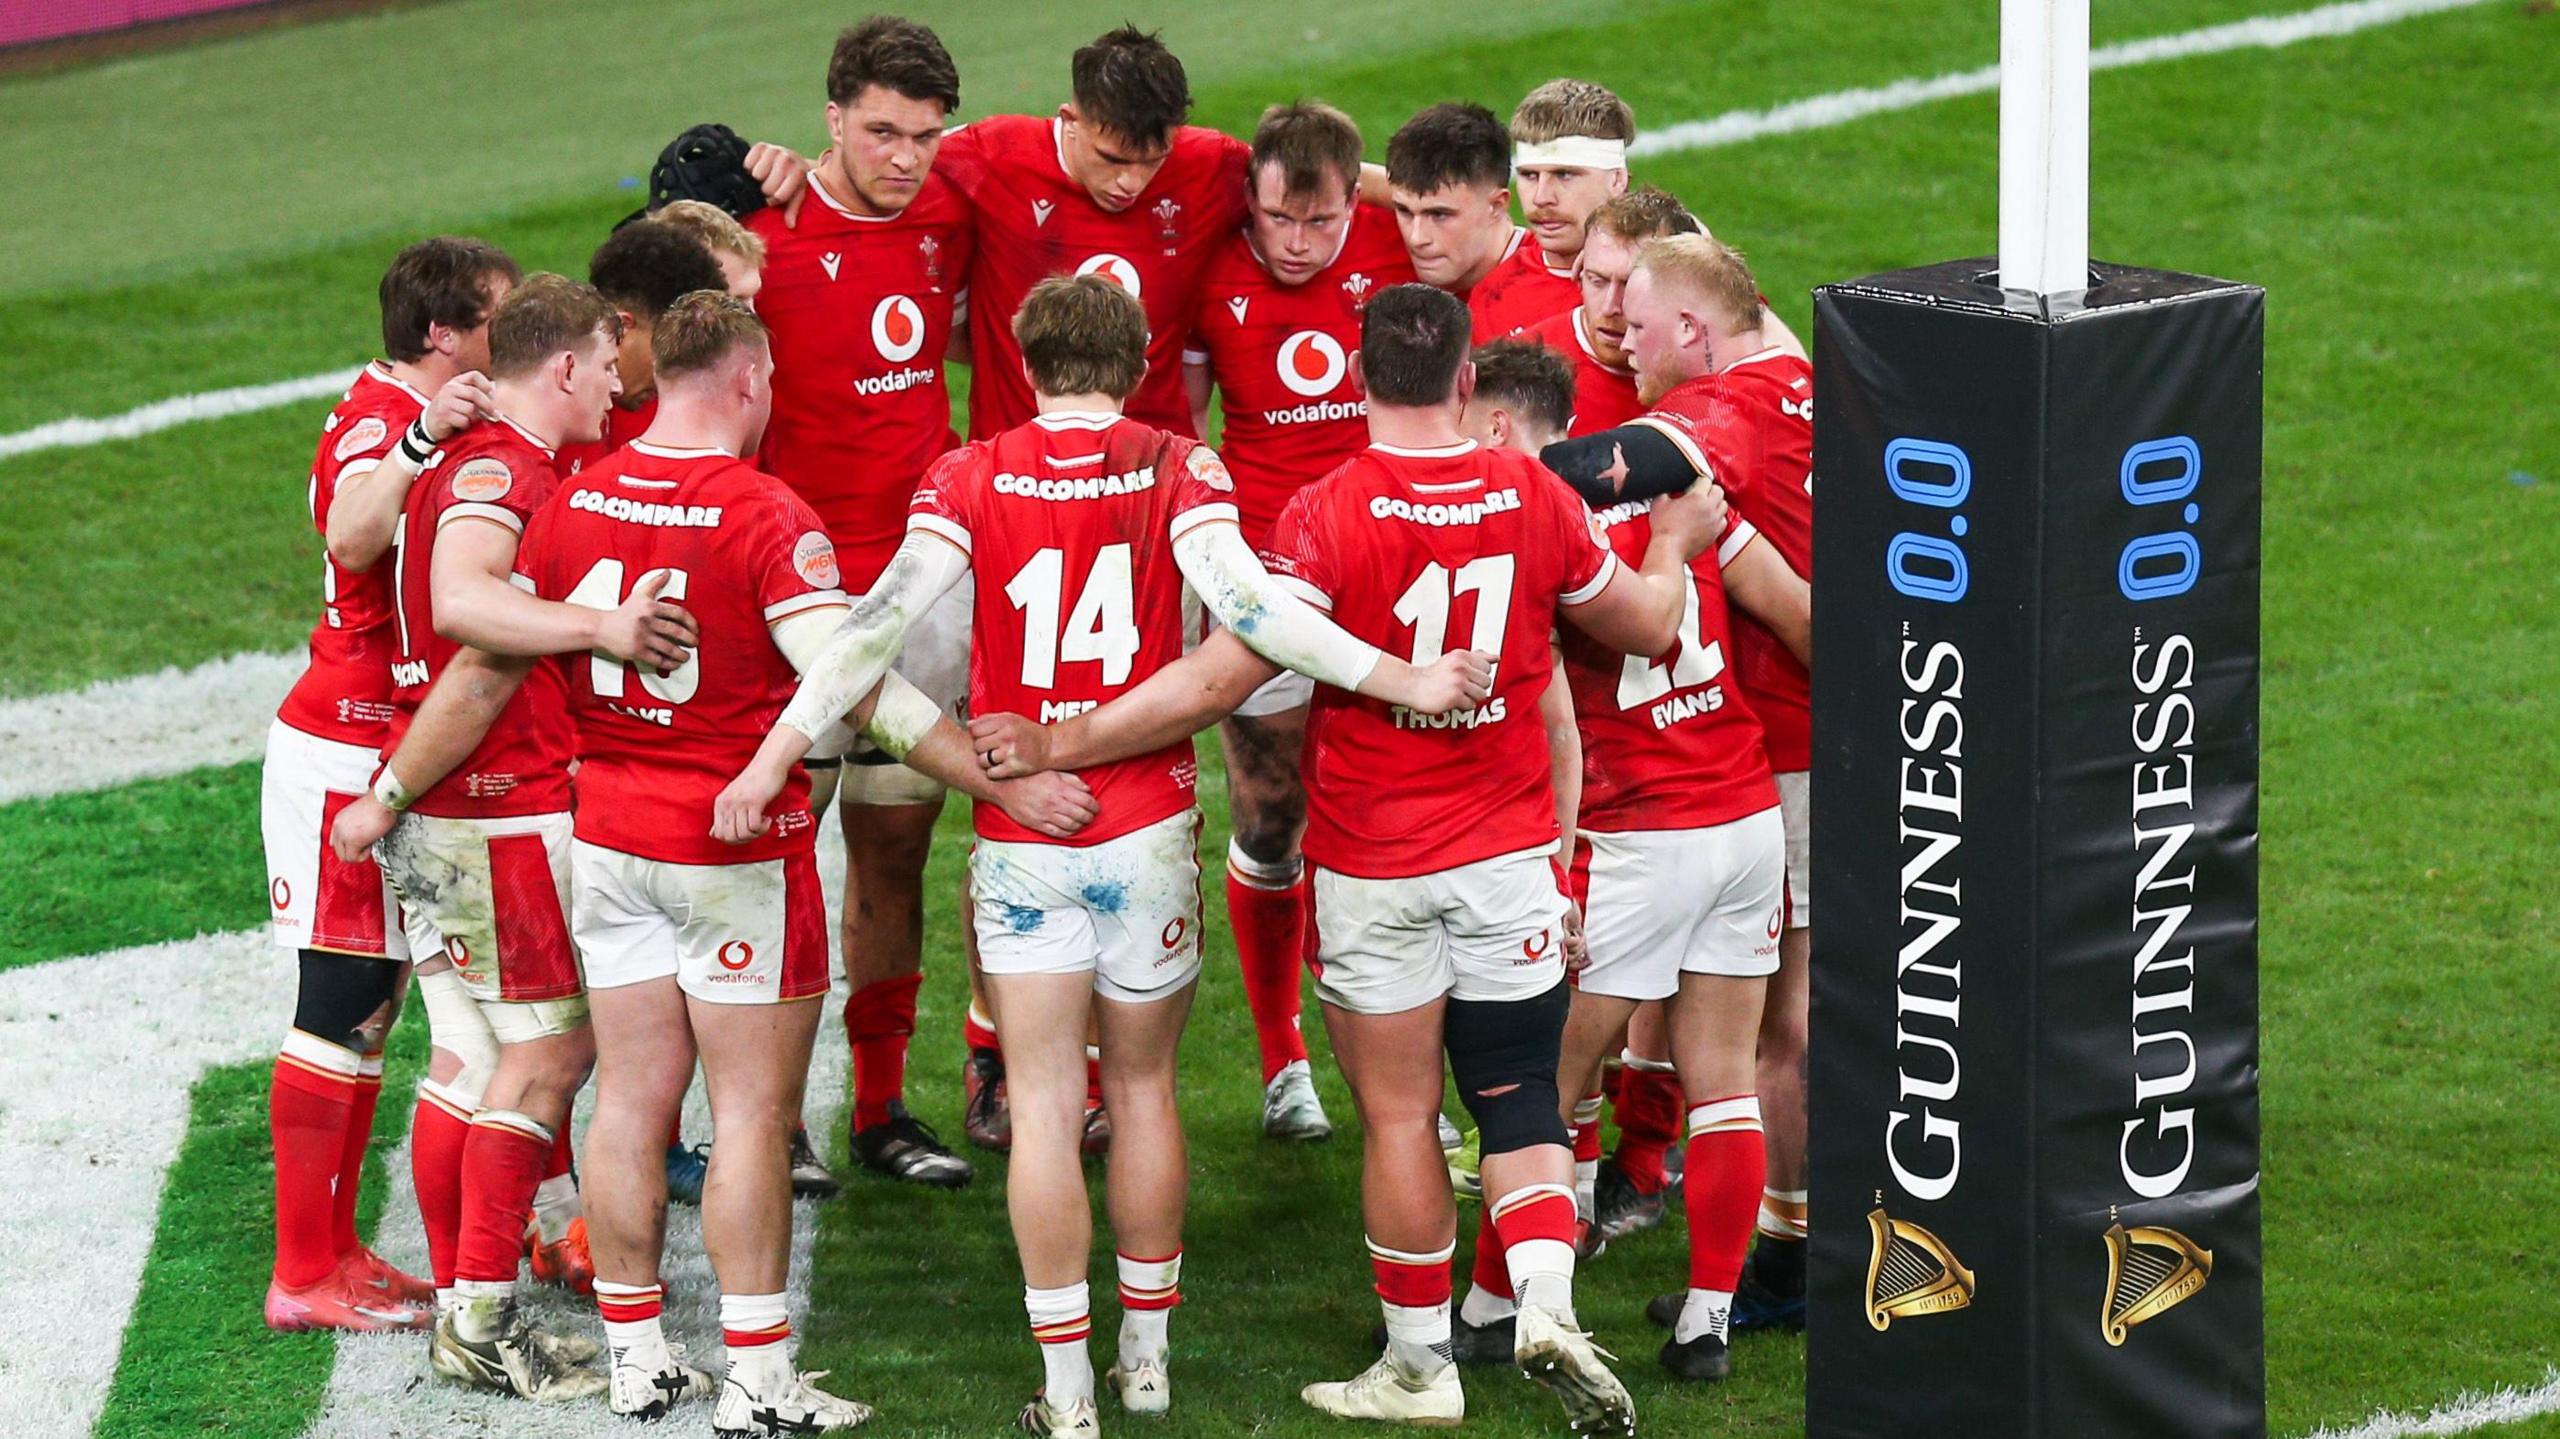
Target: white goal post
[{"x": 2044, "y": 146}]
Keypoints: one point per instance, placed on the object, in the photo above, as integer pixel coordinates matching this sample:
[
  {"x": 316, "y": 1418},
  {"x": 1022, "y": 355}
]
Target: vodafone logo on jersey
[
  {"x": 1312, "y": 363},
  {"x": 897, "y": 329},
  {"x": 1115, "y": 269}
]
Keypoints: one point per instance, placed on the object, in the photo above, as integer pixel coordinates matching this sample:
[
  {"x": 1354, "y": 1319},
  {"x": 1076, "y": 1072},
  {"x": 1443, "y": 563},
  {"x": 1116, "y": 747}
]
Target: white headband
[{"x": 1573, "y": 152}]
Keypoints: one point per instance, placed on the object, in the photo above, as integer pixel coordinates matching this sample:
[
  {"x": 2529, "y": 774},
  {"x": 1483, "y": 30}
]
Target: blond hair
[
  {"x": 717, "y": 229},
  {"x": 699, "y": 332},
  {"x": 542, "y": 317},
  {"x": 1708, "y": 270},
  {"x": 1082, "y": 335},
  {"x": 1561, "y": 108}
]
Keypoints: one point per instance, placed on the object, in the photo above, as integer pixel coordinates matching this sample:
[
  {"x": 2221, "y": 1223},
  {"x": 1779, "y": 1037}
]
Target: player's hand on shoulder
[
  {"x": 646, "y": 630},
  {"x": 738, "y": 815},
  {"x": 783, "y": 174},
  {"x": 465, "y": 399},
  {"x": 1053, "y": 804},
  {"x": 1694, "y": 517},
  {"x": 361, "y": 823},
  {"x": 1009, "y": 745},
  {"x": 1460, "y": 679}
]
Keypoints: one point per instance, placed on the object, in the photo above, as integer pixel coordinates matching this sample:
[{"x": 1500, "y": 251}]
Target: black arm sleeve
[{"x": 1631, "y": 462}]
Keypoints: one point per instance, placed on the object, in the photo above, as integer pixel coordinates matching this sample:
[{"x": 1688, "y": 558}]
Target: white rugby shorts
[
  {"x": 314, "y": 900},
  {"x": 1660, "y": 903},
  {"x": 1126, "y": 910},
  {"x": 1491, "y": 930},
  {"x": 751, "y": 933},
  {"x": 935, "y": 659},
  {"x": 1795, "y": 802},
  {"x": 497, "y": 890}
]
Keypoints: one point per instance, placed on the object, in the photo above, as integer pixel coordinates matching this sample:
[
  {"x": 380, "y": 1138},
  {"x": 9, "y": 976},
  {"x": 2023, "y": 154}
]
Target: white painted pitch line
[
  {"x": 168, "y": 414},
  {"x": 2264, "y": 32},
  {"x": 97, "y": 1059},
  {"x": 2505, "y": 1405},
  {"x": 117, "y": 731}
]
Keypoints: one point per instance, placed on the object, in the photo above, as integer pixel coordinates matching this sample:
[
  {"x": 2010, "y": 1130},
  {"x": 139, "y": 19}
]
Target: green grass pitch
[{"x": 217, "y": 215}]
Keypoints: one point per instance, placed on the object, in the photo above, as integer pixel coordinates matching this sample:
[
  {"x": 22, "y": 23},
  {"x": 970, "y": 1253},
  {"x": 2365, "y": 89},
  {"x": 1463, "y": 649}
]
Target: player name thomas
[{"x": 643, "y": 512}]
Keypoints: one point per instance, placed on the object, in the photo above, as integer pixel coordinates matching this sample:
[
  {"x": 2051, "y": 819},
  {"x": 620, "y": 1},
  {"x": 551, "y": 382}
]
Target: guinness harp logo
[
  {"x": 1911, "y": 1272},
  {"x": 2150, "y": 1271}
]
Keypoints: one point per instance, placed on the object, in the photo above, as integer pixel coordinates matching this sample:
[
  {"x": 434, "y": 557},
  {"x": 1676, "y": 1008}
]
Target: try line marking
[
  {"x": 2265, "y": 32},
  {"x": 2462, "y": 1416}
]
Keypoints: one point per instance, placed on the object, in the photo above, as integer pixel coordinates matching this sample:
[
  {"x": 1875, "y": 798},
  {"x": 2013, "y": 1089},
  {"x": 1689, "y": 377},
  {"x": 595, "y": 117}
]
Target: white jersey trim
[
  {"x": 942, "y": 529},
  {"x": 1435, "y": 452},
  {"x": 1680, "y": 439},
  {"x": 813, "y": 600},
  {"x": 1590, "y": 589},
  {"x": 1305, "y": 591},
  {"x": 707, "y": 452},
  {"x": 1214, "y": 512},
  {"x": 498, "y": 514},
  {"x": 1077, "y": 419},
  {"x": 1737, "y": 538}
]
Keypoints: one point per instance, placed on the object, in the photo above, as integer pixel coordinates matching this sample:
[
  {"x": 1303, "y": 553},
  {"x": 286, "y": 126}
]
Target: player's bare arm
[
  {"x": 475, "y": 605},
  {"x": 1770, "y": 591},
  {"x": 1176, "y": 702},
  {"x": 455, "y": 716},
  {"x": 1196, "y": 385},
  {"x": 1564, "y": 776},
  {"x": 364, "y": 512}
]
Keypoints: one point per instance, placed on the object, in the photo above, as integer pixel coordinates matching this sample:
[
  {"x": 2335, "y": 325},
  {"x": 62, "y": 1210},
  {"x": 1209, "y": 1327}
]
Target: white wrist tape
[
  {"x": 416, "y": 446},
  {"x": 1572, "y": 152},
  {"x": 390, "y": 792}
]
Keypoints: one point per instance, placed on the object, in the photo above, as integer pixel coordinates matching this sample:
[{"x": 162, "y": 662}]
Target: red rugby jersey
[
  {"x": 1281, "y": 357},
  {"x": 1418, "y": 552},
  {"x": 862, "y": 308},
  {"x": 1521, "y": 291},
  {"x": 1604, "y": 395},
  {"x": 344, "y": 693},
  {"x": 494, "y": 472},
  {"x": 1666, "y": 743},
  {"x": 1069, "y": 523},
  {"x": 743, "y": 552},
  {"x": 1035, "y": 221},
  {"x": 1753, "y": 423}
]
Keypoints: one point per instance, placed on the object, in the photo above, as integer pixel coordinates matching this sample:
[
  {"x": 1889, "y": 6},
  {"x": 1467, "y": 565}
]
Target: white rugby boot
[
  {"x": 1385, "y": 1392},
  {"x": 650, "y": 1379},
  {"x": 795, "y": 1406},
  {"x": 1290, "y": 1108},
  {"x": 1078, "y": 1420},
  {"x": 486, "y": 1343},
  {"x": 1564, "y": 1359},
  {"x": 1144, "y": 1388}
]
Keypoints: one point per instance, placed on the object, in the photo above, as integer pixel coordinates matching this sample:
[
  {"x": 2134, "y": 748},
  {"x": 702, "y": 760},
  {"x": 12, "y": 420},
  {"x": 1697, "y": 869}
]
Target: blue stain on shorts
[
  {"x": 1023, "y": 919},
  {"x": 1106, "y": 897}
]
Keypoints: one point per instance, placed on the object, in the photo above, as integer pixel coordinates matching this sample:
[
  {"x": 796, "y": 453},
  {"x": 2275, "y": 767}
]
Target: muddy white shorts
[
  {"x": 1660, "y": 903},
  {"x": 728, "y": 933},
  {"x": 497, "y": 890},
  {"x": 1795, "y": 802},
  {"x": 1126, "y": 910},
  {"x": 314, "y": 899},
  {"x": 1491, "y": 930},
  {"x": 935, "y": 659}
]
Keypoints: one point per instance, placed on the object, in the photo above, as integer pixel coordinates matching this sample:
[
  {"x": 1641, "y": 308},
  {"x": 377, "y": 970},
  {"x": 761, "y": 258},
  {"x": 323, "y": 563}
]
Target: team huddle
[{"x": 1495, "y": 588}]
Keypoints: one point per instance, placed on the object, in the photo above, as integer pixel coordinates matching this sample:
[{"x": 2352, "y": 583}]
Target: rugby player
[
  {"x": 1442, "y": 926},
  {"x": 640, "y": 268},
  {"x": 1274, "y": 332},
  {"x": 1734, "y": 403},
  {"x": 1676, "y": 781},
  {"x": 339, "y": 917},
  {"x": 1080, "y": 530},
  {"x": 1448, "y": 179},
  {"x": 1569, "y": 143},
  {"x": 863, "y": 297},
  {"x": 689, "y": 945},
  {"x": 482, "y": 862},
  {"x": 739, "y": 250},
  {"x": 1592, "y": 335}
]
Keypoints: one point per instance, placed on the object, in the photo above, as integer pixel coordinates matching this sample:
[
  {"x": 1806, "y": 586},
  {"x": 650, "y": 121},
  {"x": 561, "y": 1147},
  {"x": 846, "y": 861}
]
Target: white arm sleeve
[
  {"x": 901, "y": 719},
  {"x": 859, "y": 652},
  {"x": 802, "y": 636},
  {"x": 1282, "y": 628}
]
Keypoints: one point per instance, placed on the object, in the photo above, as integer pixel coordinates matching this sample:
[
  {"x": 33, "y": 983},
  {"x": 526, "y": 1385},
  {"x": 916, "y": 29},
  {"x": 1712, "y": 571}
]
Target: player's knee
[
  {"x": 348, "y": 1000},
  {"x": 1782, "y": 1039},
  {"x": 889, "y": 848},
  {"x": 1503, "y": 1055}
]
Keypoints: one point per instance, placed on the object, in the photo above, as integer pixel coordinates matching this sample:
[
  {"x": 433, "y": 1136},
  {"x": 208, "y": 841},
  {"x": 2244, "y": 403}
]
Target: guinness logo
[
  {"x": 2150, "y": 1271},
  {"x": 1911, "y": 1272}
]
